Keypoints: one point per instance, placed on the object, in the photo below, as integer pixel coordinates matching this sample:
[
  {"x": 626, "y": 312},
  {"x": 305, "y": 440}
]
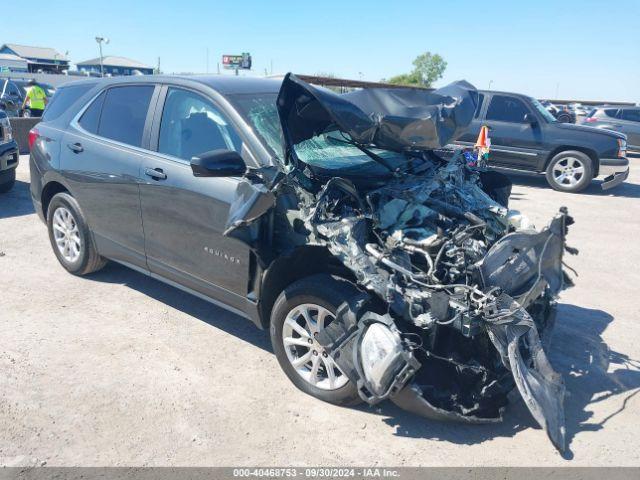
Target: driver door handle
[
  {"x": 155, "y": 173},
  {"x": 75, "y": 147}
]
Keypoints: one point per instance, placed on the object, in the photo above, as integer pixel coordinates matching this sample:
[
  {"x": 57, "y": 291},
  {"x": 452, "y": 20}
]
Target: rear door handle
[
  {"x": 75, "y": 147},
  {"x": 155, "y": 173}
]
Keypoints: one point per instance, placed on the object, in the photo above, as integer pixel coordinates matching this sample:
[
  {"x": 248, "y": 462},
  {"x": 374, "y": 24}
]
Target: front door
[
  {"x": 184, "y": 217},
  {"x": 515, "y": 142}
]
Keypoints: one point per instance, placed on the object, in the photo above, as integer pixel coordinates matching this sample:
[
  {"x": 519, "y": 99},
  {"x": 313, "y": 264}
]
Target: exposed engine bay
[{"x": 457, "y": 292}]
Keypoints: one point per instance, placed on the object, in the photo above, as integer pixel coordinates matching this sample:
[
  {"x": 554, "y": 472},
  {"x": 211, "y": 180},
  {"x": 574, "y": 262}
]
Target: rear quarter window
[
  {"x": 91, "y": 116},
  {"x": 63, "y": 99}
]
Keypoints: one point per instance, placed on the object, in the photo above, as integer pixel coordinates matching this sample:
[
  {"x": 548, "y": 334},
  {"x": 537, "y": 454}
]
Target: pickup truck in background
[{"x": 525, "y": 136}]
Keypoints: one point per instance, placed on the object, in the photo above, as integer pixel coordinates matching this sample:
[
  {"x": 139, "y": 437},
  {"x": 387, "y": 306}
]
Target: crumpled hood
[{"x": 396, "y": 119}]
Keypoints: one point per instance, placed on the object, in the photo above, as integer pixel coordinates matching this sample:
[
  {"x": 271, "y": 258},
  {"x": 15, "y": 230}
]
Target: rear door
[
  {"x": 515, "y": 142},
  {"x": 184, "y": 216},
  {"x": 629, "y": 121},
  {"x": 101, "y": 156}
]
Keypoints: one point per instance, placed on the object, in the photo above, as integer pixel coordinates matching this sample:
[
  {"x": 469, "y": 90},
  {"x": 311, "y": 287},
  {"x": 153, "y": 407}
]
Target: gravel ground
[{"x": 119, "y": 369}]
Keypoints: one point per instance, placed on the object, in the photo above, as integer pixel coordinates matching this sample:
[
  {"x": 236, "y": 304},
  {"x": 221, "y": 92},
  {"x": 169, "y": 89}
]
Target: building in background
[
  {"x": 39, "y": 59},
  {"x": 115, "y": 66},
  {"x": 13, "y": 63}
]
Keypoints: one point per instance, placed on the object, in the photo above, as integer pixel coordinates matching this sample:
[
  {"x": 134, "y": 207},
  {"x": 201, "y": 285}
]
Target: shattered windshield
[
  {"x": 330, "y": 152},
  {"x": 327, "y": 151}
]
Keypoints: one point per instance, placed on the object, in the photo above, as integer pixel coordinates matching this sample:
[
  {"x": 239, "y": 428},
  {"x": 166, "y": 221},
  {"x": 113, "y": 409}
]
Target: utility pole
[
  {"x": 557, "y": 90},
  {"x": 207, "y": 59},
  {"x": 100, "y": 41},
  {"x": 490, "y": 82}
]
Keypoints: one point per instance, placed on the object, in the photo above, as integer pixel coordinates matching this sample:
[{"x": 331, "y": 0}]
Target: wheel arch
[
  {"x": 587, "y": 151},
  {"x": 302, "y": 262},
  {"x": 50, "y": 189}
]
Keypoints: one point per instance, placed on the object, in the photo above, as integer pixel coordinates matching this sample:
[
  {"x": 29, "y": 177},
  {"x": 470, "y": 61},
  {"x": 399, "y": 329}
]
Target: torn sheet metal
[
  {"x": 515, "y": 336},
  {"x": 393, "y": 119},
  {"x": 520, "y": 260}
]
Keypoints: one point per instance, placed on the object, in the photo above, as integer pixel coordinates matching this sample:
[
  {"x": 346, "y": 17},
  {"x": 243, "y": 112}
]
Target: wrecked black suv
[{"x": 382, "y": 270}]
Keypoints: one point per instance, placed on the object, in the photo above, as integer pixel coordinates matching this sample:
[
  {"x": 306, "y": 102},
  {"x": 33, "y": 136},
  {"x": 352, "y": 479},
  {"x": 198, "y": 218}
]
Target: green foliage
[
  {"x": 412, "y": 78},
  {"x": 428, "y": 68}
]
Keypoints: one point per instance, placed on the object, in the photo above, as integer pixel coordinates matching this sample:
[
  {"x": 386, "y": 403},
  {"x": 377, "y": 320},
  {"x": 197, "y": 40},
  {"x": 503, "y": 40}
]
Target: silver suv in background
[{"x": 623, "y": 119}]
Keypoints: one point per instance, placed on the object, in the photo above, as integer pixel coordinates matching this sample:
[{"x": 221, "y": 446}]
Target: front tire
[
  {"x": 570, "y": 171},
  {"x": 301, "y": 310},
  {"x": 70, "y": 237}
]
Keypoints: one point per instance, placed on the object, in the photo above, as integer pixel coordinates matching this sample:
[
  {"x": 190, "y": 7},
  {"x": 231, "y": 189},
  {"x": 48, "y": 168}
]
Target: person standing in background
[{"x": 35, "y": 99}]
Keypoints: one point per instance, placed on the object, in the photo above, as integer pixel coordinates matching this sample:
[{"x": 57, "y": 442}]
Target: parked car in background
[
  {"x": 553, "y": 109},
  {"x": 11, "y": 97},
  {"x": 623, "y": 119},
  {"x": 13, "y": 92},
  {"x": 578, "y": 109},
  {"x": 560, "y": 112},
  {"x": 8, "y": 154},
  {"x": 525, "y": 136}
]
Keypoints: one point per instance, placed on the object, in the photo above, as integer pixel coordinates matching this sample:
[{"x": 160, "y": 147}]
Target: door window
[
  {"x": 191, "y": 125},
  {"x": 630, "y": 115},
  {"x": 124, "y": 113},
  {"x": 63, "y": 99},
  {"x": 507, "y": 109},
  {"x": 13, "y": 90},
  {"x": 611, "y": 112}
]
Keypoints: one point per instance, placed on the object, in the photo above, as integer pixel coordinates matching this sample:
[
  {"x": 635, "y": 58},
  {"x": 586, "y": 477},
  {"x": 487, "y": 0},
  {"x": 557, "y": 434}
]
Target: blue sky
[{"x": 581, "y": 49}]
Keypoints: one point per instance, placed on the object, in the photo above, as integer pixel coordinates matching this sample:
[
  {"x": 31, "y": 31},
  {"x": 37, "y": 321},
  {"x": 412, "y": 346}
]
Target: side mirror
[
  {"x": 218, "y": 163},
  {"x": 530, "y": 118}
]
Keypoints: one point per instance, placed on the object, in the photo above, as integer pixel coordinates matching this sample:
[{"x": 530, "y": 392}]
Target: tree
[{"x": 427, "y": 69}]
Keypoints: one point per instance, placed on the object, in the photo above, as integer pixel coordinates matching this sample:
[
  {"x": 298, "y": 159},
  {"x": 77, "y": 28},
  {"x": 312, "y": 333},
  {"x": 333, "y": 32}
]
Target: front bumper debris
[{"x": 615, "y": 171}]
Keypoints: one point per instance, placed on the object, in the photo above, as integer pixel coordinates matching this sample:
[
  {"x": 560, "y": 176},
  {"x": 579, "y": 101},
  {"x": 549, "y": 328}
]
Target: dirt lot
[{"x": 119, "y": 369}]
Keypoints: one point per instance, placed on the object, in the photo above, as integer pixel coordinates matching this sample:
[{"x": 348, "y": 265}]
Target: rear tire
[
  {"x": 7, "y": 185},
  {"x": 70, "y": 237},
  {"x": 317, "y": 297},
  {"x": 570, "y": 171}
]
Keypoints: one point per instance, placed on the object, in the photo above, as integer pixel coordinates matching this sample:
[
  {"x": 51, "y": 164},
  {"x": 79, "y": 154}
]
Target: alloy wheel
[
  {"x": 66, "y": 234},
  {"x": 568, "y": 171},
  {"x": 308, "y": 358}
]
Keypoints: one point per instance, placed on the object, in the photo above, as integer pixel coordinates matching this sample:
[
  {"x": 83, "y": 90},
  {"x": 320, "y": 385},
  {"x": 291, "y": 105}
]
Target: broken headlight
[{"x": 384, "y": 363}]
